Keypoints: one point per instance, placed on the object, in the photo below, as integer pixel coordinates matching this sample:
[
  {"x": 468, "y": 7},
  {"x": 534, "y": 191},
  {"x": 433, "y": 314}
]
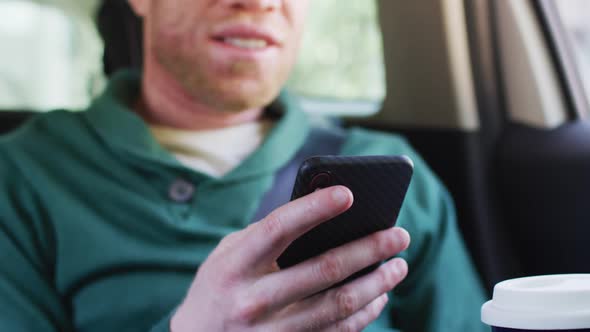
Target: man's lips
[{"x": 246, "y": 37}]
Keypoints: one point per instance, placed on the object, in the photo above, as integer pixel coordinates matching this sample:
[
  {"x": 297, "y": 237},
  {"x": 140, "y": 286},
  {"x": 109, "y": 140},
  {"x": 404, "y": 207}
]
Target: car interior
[{"x": 490, "y": 93}]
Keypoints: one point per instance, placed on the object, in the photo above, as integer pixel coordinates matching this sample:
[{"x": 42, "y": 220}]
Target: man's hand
[{"x": 240, "y": 288}]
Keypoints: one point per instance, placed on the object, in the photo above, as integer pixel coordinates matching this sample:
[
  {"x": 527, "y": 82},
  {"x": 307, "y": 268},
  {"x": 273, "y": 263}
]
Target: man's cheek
[
  {"x": 174, "y": 48},
  {"x": 170, "y": 39},
  {"x": 167, "y": 12}
]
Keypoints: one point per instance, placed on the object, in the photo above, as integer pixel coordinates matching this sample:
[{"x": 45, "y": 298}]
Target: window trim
[
  {"x": 561, "y": 52},
  {"x": 350, "y": 108}
]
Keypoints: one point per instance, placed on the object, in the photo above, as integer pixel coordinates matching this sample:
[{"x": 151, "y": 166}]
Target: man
[{"x": 106, "y": 215}]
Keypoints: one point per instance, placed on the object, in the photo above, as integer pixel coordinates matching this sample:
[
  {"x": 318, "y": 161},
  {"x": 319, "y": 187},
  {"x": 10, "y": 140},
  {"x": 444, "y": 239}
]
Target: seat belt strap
[{"x": 320, "y": 141}]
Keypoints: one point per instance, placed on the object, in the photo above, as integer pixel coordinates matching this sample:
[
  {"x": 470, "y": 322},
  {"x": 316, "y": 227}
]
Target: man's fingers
[
  {"x": 361, "y": 319},
  {"x": 267, "y": 239},
  {"x": 323, "y": 271},
  {"x": 339, "y": 304}
]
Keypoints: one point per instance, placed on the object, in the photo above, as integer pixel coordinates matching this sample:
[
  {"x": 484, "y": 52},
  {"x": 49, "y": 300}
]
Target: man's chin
[{"x": 233, "y": 102}]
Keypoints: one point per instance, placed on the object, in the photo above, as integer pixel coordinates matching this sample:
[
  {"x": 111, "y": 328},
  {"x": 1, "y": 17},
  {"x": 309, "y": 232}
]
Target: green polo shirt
[{"x": 101, "y": 229}]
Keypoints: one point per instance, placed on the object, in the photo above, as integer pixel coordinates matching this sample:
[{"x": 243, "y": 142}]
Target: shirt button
[{"x": 181, "y": 191}]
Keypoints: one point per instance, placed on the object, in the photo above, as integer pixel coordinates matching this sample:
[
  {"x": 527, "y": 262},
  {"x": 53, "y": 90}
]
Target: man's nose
[{"x": 255, "y": 5}]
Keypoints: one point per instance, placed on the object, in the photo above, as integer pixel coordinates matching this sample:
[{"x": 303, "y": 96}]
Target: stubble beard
[{"x": 238, "y": 90}]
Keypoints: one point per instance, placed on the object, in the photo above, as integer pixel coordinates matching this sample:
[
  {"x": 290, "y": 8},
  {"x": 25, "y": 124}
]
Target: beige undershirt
[{"x": 213, "y": 152}]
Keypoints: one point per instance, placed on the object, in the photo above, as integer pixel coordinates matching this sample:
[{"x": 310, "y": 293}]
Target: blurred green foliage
[{"x": 342, "y": 54}]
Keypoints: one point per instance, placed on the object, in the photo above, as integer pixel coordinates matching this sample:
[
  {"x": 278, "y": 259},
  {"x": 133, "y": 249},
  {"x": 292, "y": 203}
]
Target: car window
[
  {"x": 342, "y": 56},
  {"x": 575, "y": 16},
  {"x": 52, "y": 56}
]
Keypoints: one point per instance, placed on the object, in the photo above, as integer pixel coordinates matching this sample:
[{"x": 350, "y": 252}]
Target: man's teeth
[{"x": 251, "y": 44}]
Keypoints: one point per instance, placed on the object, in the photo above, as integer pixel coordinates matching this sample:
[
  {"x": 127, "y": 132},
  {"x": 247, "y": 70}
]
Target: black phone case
[{"x": 379, "y": 185}]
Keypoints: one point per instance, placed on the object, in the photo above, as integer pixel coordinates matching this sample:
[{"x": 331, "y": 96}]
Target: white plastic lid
[{"x": 540, "y": 303}]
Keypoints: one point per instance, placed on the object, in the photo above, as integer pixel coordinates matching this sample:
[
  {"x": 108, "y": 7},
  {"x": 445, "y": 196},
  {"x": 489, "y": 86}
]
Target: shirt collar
[{"x": 112, "y": 118}]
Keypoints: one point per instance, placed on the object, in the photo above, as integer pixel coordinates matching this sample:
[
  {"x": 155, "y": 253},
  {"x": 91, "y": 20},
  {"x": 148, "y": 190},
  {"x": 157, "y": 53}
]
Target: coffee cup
[{"x": 542, "y": 303}]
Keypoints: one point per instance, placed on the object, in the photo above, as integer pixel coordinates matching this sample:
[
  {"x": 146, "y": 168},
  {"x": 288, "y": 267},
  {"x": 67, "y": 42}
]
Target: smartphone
[{"x": 378, "y": 184}]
